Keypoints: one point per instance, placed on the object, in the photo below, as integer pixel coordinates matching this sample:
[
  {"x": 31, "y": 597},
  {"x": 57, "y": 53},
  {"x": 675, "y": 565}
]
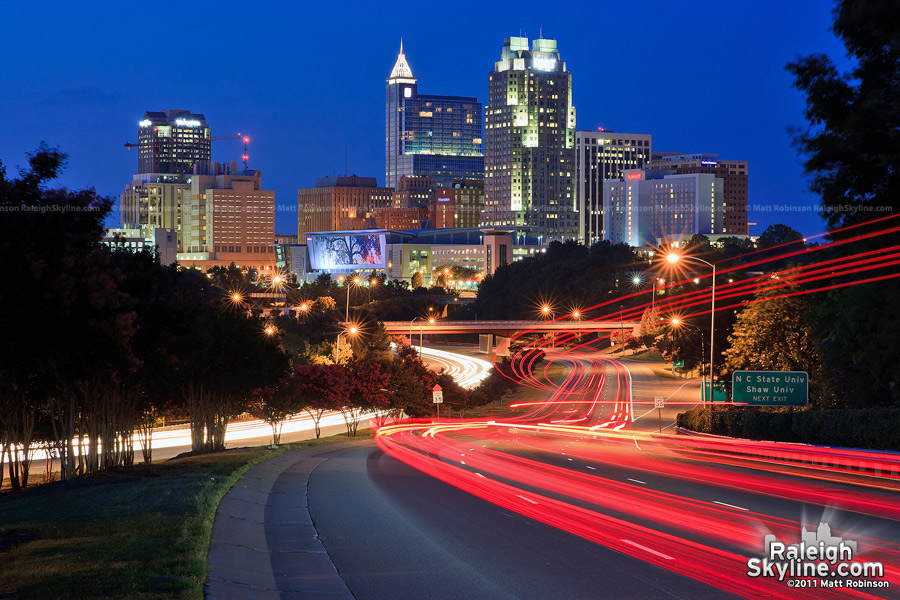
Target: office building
[
  {"x": 437, "y": 136},
  {"x": 154, "y": 201},
  {"x": 735, "y": 176},
  {"x": 601, "y": 156},
  {"x": 321, "y": 208},
  {"x": 172, "y": 141},
  {"x": 458, "y": 206},
  {"x": 414, "y": 191},
  {"x": 161, "y": 243},
  {"x": 227, "y": 218},
  {"x": 530, "y": 142},
  {"x": 649, "y": 207}
]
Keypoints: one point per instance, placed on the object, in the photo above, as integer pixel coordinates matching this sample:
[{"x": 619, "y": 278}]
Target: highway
[{"x": 575, "y": 498}]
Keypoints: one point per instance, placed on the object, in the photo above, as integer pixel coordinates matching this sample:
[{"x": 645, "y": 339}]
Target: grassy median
[{"x": 136, "y": 532}]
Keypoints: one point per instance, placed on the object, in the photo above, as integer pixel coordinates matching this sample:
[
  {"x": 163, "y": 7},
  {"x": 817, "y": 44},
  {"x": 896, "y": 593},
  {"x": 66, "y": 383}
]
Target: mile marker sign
[
  {"x": 438, "y": 394},
  {"x": 770, "y": 388}
]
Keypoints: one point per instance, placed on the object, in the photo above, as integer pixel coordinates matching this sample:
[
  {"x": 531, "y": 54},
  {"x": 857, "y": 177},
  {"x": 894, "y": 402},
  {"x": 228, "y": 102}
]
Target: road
[{"x": 573, "y": 498}]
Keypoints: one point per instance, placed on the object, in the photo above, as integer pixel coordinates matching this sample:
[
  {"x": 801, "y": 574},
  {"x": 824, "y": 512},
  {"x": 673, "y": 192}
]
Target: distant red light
[{"x": 246, "y": 140}]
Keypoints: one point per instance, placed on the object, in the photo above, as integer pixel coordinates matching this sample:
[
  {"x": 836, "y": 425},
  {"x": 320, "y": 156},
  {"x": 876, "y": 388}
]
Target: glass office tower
[{"x": 437, "y": 136}]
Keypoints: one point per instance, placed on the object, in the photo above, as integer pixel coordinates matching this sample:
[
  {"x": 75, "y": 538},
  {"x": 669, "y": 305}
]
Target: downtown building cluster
[{"x": 517, "y": 167}]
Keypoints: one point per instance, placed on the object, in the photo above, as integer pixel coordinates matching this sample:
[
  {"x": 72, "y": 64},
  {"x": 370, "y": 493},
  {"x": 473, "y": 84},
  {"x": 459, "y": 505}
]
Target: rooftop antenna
[{"x": 541, "y": 33}]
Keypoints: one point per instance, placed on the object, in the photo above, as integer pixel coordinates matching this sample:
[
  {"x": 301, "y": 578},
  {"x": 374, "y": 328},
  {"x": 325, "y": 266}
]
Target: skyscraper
[
  {"x": 599, "y": 157},
  {"x": 172, "y": 141},
  {"x": 530, "y": 141},
  {"x": 437, "y": 136}
]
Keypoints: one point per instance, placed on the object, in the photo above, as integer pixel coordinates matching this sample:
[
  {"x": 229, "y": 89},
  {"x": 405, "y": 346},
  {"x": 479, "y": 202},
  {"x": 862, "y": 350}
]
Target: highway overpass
[{"x": 505, "y": 328}]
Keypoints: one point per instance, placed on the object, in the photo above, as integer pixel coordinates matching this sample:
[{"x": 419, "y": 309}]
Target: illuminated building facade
[
  {"x": 530, "y": 142},
  {"x": 458, "y": 206},
  {"x": 154, "y": 201},
  {"x": 172, "y": 141},
  {"x": 437, "y": 136},
  {"x": 599, "y": 157},
  {"x": 321, "y": 208},
  {"x": 734, "y": 174},
  {"x": 648, "y": 206},
  {"x": 227, "y": 218}
]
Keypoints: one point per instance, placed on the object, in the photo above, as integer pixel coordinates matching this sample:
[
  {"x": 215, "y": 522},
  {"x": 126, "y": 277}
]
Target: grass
[{"x": 139, "y": 532}]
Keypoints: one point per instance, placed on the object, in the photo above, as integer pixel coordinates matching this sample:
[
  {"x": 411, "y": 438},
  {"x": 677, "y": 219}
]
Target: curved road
[{"x": 573, "y": 499}]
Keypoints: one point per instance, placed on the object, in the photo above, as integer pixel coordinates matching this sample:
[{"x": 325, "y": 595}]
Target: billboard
[{"x": 346, "y": 252}]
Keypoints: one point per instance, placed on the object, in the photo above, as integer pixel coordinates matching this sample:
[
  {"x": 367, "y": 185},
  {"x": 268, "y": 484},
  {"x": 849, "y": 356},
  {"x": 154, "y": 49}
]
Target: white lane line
[
  {"x": 591, "y": 468},
  {"x": 634, "y": 437},
  {"x": 650, "y": 550},
  {"x": 526, "y": 499},
  {"x": 730, "y": 505},
  {"x": 479, "y": 474},
  {"x": 568, "y": 458},
  {"x": 637, "y": 481}
]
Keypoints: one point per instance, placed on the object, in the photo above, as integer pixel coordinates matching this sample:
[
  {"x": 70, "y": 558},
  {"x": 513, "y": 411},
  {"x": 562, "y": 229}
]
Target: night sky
[{"x": 306, "y": 82}]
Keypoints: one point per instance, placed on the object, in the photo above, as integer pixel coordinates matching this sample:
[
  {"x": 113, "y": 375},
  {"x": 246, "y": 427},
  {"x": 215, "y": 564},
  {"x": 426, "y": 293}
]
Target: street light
[
  {"x": 676, "y": 322},
  {"x": 347, "y": 315},
  {"x": 350, "y": 331},
  {"x": 547, "y": 310},
  {"x": 674, "y": 258}
]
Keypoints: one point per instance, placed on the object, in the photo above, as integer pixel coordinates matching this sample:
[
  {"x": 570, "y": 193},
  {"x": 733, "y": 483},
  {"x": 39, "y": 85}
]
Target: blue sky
[{"x": 306, "y": 82}]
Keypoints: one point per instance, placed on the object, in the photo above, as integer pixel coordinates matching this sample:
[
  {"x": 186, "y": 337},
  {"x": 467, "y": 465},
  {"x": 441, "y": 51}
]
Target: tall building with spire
[
  {"x": 530, "y": 142},
  {"x": 436, "y": 136}
]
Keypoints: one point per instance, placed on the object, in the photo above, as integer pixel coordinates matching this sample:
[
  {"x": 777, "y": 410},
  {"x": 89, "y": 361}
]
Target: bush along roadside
[{"x": 871, "y": 428}]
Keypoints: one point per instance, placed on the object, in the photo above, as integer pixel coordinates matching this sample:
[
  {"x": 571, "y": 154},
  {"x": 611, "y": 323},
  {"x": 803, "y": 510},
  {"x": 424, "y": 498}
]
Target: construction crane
[{"x": 214, "y": 138}]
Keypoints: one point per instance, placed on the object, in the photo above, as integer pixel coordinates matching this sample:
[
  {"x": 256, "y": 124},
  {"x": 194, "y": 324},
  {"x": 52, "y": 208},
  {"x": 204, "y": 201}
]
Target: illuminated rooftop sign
[
  {"x": 187, "y": 122},
  {"x": 634, "y": 175},
  {"x": 145, "y": 123},
  {"x": 544, "y": 64}
]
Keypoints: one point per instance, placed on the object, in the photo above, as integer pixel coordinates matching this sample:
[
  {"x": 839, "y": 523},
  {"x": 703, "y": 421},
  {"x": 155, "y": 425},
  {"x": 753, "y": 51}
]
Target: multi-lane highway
[{"x": 574, "y": 498}]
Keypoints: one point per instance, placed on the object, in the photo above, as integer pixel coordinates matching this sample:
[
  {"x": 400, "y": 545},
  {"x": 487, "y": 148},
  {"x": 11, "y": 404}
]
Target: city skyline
[{"x": 88, "y": 101}]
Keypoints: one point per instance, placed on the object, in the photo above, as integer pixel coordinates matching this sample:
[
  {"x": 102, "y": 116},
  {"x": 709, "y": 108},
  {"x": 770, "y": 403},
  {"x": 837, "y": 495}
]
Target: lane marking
[
  {"x": 730, "y": 505},
  {"x": 650, "y": 550},
  {"x": 591, "y": 468},
  {"x": 634, "y": 437},
  {"x": 479, "y": 474},
  {"x": 568, "y": 458},
  {"x": 637, "y": 481},
  {"x": 526, "y": 499}
]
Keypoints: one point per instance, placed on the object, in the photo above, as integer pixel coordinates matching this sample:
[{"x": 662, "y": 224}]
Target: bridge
[{"x": 505, "y": 328}]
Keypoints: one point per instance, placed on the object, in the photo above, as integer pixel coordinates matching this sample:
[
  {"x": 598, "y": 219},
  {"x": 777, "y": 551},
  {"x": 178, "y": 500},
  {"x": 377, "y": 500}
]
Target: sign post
[
  {"x": 770, "y": 388},
  {"x": 659, "y": 402},
  {"x": 438, "y": 396}
]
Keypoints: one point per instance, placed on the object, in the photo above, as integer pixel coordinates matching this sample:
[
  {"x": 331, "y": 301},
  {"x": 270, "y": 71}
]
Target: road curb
[{"x": 264, "y": 545}]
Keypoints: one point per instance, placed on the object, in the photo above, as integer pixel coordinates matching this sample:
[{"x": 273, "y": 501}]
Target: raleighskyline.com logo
[{"x": 818, "y": 560}]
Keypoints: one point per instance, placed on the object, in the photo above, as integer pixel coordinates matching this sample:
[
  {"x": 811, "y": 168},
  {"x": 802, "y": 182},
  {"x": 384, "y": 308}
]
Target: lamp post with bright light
[
  {"x": 347, "y": 315},
  {"x": 674, "y": 258},
  {"x": 350, "y": 331},
  {"x": 676, "y": 322},
  {"x": 548, "y": 311}
]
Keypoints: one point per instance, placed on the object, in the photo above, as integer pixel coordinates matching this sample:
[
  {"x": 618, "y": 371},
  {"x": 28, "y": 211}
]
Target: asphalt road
[{"x": 395, "y": 533}]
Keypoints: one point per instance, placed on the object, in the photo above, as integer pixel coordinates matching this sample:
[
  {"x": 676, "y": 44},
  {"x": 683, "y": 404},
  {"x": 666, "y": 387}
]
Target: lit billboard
[{"x": 346, "y": 252}]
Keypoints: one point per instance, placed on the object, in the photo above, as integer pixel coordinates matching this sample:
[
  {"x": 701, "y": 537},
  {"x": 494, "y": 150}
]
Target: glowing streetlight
[
  {"x": 673, "y": 258},
  {"x": 270, "y": 330},
  {"x": 576, "y": 314},
  {"x": 350, "y": 331},
  {"x": 636, "y": 280},
  {"x": 236, "y": 297}
]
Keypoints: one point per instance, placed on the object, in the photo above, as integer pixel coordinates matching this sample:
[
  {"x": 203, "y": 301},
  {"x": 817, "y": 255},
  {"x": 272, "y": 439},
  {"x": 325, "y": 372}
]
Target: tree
[
  {"x": 322, "y": 388},
  {"x": 416, "y": 281},
  {"x": 852, "y": 143},
  {"x": 275, "y": 404},
  {"x": 851, "y": 150},
  {"x": 777, "y": 334},
  {"x": 367, "y": 392}
]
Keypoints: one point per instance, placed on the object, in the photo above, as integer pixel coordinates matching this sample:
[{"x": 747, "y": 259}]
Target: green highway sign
[
  {"x": 678, "y": 363},
  {"x": 770, "y": 388},
  {"x": 719, "y": 395}
]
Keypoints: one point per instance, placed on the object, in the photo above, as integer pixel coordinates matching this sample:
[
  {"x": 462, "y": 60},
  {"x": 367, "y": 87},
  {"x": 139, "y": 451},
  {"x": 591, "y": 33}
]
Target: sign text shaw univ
[{"x": 770, "y": 388}]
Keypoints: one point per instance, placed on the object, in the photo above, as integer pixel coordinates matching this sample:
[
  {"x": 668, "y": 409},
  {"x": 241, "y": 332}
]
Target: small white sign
[
  {"x": 659, "y": 402},
  {"x": 438, "y": 397}
]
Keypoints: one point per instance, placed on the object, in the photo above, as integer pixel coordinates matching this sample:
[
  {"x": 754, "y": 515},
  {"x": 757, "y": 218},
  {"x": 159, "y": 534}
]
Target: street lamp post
[
  {"x": 549, "y": 312},
  {"x": 678, "y": 323},
  {"x": 622, "y": 328},
  {"x": 337, "y": 348},
  {"x": 673, "y": 258}
]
